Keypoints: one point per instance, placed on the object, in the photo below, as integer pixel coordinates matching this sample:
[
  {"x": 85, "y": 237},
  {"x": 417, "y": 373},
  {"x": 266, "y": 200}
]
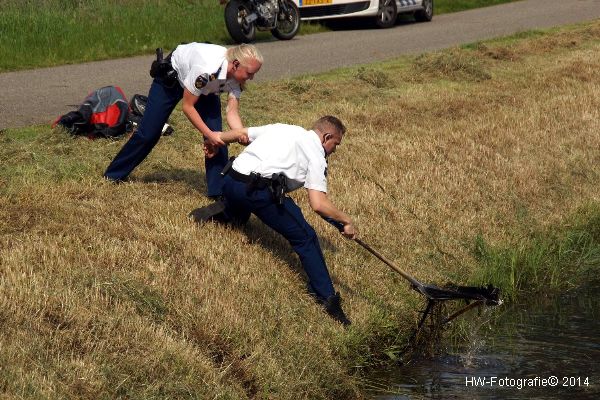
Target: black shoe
[
  {"x": 212, "y": 212},
  {"x": 333, "y": 307}
]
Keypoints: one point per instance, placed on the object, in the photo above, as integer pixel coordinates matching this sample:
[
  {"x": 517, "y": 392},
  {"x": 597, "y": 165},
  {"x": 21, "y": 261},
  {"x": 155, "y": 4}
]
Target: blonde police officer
[
  {"x": 196, "y": 73},
  {"x": 251, "y": 186}
]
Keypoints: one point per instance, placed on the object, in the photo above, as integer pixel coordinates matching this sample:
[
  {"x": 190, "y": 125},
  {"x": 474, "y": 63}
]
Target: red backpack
[{"x": 104, "y": 112}]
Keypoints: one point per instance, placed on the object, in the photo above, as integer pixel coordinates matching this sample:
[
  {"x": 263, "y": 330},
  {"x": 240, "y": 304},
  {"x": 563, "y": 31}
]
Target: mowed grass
[
  {"x": 109, "y": 291},
  {"x": 45, "y": 33}
]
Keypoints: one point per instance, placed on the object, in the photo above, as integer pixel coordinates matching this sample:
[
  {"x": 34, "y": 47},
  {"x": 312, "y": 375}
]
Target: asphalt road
[{"x": 39, "y": 96}]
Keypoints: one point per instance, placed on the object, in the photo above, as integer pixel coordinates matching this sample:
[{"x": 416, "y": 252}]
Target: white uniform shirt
[
  {"x": 290, "y": 149},
  {"x": 197, "y": 65}
]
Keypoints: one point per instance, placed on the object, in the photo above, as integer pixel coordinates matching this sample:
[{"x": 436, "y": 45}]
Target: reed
[{"x": 562, "y": 258}]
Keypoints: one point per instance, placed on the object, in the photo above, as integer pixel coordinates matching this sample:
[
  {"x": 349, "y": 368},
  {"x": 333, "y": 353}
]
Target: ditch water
[{"x": 548, "y": 349}]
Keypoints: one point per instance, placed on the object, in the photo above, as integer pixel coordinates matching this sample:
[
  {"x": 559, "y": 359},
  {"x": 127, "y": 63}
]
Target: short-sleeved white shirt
[
  {"x": 290, "y": 149},
  {"x": 197, "y": 65}
]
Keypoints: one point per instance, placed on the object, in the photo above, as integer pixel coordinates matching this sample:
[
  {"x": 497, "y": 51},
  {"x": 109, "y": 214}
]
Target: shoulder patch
[{"x": 201, "y": 81}]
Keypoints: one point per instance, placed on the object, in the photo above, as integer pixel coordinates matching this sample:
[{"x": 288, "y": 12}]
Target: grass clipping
[{"x": 110, "y": 291}]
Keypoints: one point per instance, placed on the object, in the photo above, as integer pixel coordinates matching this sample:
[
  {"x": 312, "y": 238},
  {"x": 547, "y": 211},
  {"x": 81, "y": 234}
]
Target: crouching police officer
[
  {"x": 281, "y": 158},
  {"x": 198, "y": 73}
]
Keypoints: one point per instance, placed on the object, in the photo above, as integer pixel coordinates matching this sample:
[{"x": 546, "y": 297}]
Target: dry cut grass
[{"x": 108, "y": 291}]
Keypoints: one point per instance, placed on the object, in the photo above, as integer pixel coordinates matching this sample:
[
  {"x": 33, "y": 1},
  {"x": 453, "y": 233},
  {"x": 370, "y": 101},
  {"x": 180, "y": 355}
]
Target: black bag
[{"x": 104, "y": 112}]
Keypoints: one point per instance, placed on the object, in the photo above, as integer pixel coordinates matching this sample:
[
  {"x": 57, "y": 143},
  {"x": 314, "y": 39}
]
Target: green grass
[
  {"x": 54, "y": 32},
  {"x": 548, "y": 260},
  {"x": 58, "y": 32}
]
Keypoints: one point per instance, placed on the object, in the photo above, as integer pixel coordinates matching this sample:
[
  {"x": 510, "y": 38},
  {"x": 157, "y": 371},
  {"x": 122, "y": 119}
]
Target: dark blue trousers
[
  {"x": 161, "y": 103},
  {"x": 286, "y": 219}
]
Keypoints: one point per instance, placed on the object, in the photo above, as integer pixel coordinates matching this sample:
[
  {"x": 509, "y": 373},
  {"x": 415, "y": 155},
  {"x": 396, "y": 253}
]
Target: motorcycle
[{"x": 244, "y": 17}]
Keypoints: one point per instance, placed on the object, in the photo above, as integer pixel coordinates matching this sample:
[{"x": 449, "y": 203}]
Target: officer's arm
[
  {"x": 189, "y": 100},
  {"x": 320, "y": 203},
  {"x": 235, "y": 135},
  {"x": 233, "y": 113}
]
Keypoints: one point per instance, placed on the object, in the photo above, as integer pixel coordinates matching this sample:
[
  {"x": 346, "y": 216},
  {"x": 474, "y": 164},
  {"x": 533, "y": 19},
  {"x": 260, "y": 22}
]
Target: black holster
[
  {"x": 161, "y": 68},
  {"x": 277, "y": 184},
  {"x": 278, "y": 187},
  {"x": 256, "y": 182}
]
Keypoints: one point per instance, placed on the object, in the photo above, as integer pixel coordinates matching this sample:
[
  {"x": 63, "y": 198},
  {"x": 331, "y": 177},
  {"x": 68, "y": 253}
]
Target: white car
[{"x": 384, "y": 12}]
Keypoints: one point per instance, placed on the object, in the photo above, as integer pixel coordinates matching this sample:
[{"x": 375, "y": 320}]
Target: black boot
[
  {"x": 333, "y": 307},
  {"x": 212, "y": 212}
]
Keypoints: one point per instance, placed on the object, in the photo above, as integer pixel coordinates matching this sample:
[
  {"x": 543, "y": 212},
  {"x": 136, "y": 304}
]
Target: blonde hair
[{"x": 244, "y": 53}]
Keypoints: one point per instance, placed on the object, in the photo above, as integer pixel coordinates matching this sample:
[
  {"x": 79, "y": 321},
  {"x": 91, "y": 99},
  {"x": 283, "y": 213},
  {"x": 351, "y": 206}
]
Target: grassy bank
[
  {"x": 109, "y": 291},
  {"x": 545, "y": 261},
  {"x": 46, "y": 33}
]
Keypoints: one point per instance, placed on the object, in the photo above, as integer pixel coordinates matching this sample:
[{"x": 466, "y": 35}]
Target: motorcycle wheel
[
  {"x": 288, "y": 21},
  {"x": 240, "y": 31}
]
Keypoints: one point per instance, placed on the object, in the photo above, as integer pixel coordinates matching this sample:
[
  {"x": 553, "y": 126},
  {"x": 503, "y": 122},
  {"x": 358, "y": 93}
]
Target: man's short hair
[
  {"x": 244, "y": 53},
  {"x": 329, "y": 121}
]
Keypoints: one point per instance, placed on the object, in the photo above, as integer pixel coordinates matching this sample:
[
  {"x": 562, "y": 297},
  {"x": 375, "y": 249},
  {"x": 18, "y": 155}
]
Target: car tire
[
  {"x": 426, "y": 13},
  {"x": 386, "y": 14}
]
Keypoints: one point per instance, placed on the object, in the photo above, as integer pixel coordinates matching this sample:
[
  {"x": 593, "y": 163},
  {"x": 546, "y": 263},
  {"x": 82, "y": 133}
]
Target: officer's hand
[
  {"x": 214, "y": 139},
  {"x": 350, "y": 231},
  {"x": 244, "y": 139},
  {"x": 209, "y": 150}
]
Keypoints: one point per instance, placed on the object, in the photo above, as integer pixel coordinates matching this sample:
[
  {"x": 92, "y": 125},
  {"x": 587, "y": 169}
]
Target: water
[{"x": 549, "y": 349}]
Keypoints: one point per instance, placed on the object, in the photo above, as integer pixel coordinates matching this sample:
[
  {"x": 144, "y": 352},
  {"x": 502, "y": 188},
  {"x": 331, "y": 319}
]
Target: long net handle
[
  {"x": 393, "y": 266},
  {"x": 413, "y": 281}
]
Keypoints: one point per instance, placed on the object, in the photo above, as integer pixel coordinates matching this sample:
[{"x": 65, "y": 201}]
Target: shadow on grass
[
  {"x": 193, "y": 178},
  {"x": 260, "y": 234}
]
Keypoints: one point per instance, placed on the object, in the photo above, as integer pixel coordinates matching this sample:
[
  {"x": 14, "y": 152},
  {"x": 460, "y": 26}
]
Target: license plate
[{"x": 315, "y": 2}]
